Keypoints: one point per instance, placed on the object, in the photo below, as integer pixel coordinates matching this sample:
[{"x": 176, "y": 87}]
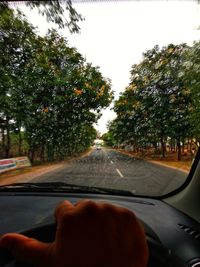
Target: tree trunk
[
  {"x": 155, "y": 145},
  {"x": 171, "y": 147},
  {"x": 31, "y": 152},
  {"x": 20, "y": 144},
  {"x": 50, "y": 152},
  {"x": 163, "y": 147},
  {"x": 188, "y": 145},
  {"x": 190, "y": 149},
  {"x": 179, "y": 149},
  {"x": 32, "y": 156},
  {"x": 183, "y": 148},
  {"x": 42, "y": 157},
  {"x": 3, "y": 142},
  {"x": 7, "y": 147}
]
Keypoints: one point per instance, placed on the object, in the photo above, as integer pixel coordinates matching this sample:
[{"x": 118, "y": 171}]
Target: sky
[{"x": 115, "y": 34}]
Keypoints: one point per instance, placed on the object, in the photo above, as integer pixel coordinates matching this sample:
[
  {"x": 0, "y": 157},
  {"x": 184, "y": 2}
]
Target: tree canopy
[
  {"x": 60, "y": 12},
  {"x": 161, "y": 103},
  {"x": 49, "y": 94}
]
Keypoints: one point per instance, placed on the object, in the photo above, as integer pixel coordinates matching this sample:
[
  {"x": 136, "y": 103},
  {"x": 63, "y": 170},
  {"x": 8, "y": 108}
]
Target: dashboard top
[{"x": 173, "y": 229}]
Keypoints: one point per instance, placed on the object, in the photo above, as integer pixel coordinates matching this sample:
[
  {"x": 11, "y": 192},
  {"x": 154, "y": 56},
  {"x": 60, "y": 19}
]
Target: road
[{"x": 112, "y": 169}]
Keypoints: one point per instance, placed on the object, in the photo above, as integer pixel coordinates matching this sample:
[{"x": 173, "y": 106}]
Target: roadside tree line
[
  {"x": 50, "y": 96},
  {"x": 160, "y": 108}
]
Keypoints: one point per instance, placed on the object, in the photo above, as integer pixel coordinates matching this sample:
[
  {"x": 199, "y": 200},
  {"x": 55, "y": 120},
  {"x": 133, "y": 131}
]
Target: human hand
[{"x": 88, "y": 234}]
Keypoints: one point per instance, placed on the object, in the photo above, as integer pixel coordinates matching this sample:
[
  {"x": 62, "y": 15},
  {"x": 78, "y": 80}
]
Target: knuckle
[
  {"x": 109, "y": 210},
  {"x": 67, "y": 217},
  {"x": 108, "y": 207},
  {"x": 87, "y": 204},
  {"x": 91, "y": 206},
  {"x": 119, "y": 212}
]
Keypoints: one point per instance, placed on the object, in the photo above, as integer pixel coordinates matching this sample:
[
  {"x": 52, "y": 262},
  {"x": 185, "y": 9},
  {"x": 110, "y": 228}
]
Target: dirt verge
[
  {"x": 170, "y": 161},
  {"x": 28, "y": 173}
]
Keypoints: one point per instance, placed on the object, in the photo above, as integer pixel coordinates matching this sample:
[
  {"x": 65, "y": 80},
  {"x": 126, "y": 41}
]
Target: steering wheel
[{"x": 159, "y": 255}]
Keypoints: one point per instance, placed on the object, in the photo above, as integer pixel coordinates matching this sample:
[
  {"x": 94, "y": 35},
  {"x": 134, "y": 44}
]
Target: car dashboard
[{"x": 173, "y": 237}]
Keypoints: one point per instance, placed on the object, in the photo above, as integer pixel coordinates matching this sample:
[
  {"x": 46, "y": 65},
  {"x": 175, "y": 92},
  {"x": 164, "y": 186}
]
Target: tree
[
  {"x": 156, "y": 104},
  {"x": 15, "y": 35},
  {"x": 191, "y": 78},
  {"x": 48, "y": 90},
  {"x": 59, "y": 12}
]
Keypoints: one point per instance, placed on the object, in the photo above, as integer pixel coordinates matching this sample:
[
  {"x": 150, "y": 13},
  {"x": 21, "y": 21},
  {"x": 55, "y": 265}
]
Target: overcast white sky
[{"x": 114, "y": 35}]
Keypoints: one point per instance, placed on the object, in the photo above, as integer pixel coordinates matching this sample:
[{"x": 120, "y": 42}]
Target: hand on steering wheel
[{"x": 88, "y": 234}]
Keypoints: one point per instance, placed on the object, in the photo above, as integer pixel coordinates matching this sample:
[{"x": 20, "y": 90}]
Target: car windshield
[{"x": 101, "y": 94}]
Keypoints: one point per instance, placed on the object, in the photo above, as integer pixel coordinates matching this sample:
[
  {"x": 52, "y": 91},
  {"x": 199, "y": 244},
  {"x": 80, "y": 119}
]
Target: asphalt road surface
[{"x": 111, "y": 169}]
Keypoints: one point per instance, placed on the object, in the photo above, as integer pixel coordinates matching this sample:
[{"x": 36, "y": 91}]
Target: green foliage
[
  {"x": 59, "y": 12},
  {"x": 108, "y": 139},
  {"x": 156, "y": 106},
  {"x": 48, "y": 91},
  {"x": 192, "y": 78}
]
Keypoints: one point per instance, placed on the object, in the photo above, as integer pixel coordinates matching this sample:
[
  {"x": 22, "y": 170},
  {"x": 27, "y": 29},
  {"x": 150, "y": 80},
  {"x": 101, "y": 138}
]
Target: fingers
[
  {"x": 65, "y": 207},
  {"x": 62, "y": 209},
  {"x": 85, "y": 203},
  {"x": 26, "y": 249},
  {"x": 89, "y": 208},
  {"x": 66, "y": 212}
]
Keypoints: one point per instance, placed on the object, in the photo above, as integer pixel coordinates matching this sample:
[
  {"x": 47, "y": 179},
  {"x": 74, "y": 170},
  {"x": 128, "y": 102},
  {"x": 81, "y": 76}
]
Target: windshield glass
[{"x": 99, "y": 93}]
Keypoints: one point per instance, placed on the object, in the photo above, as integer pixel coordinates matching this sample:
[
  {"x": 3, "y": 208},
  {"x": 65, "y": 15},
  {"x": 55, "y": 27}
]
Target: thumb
[{"x": 26, "y": 249}]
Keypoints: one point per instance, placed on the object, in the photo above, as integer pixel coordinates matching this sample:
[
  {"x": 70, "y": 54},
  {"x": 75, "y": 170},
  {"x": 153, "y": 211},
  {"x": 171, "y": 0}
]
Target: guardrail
[{"x": 14, "y": 163}]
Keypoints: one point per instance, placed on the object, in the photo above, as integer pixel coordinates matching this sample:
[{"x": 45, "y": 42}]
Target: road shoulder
[
  {"x": 27, "y": 174},
  {"x": 152, "y": 161}
]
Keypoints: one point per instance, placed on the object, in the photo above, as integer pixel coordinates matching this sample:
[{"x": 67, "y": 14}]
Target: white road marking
[
  {"x": 120, "y": 174},
  {"x": 112, "y": 162}
]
